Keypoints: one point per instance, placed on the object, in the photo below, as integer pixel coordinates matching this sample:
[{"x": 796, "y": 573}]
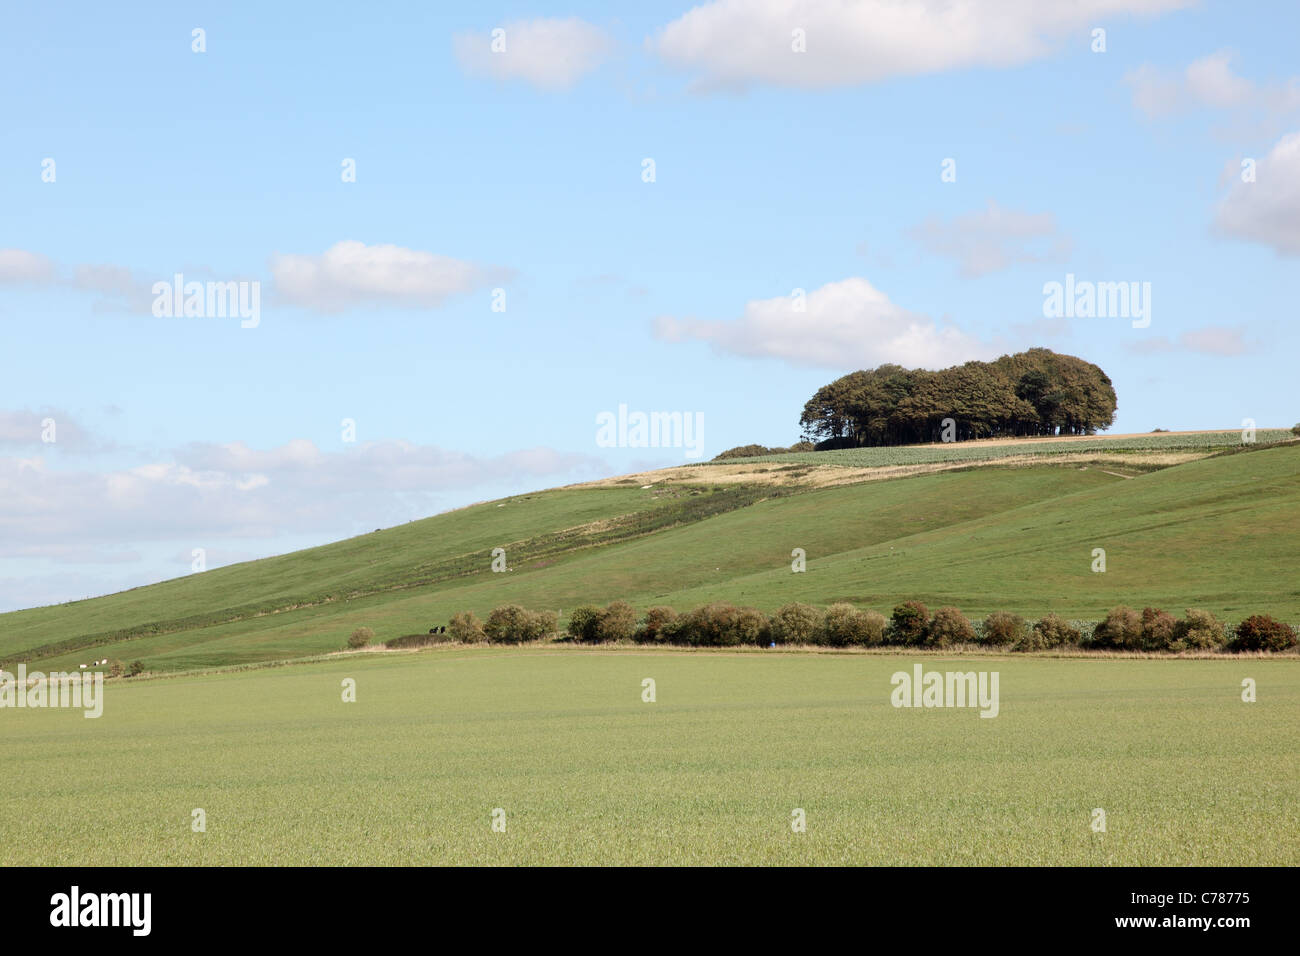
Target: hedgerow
[{"x": 843, "y": 624}]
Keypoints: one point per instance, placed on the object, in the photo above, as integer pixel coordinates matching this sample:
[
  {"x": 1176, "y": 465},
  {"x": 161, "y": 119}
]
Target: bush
[
  {"x": 838, "y": 625},
  {"x": 752, "y": 627},
  {"x": 796, "y": 624},
  {"x": 583, "y": 621},
  {"x": 616, "y": 623},
  {"x": 512, "y": 624},
  {"x": 910, "y": 621},
  {"x": 801, "y": 446},
  {"x": 507, "y": 624},
  {"x": 1002, "y": 629},
  {"x": 846, "y": 625},
  {"x": 748, "y": 451},
  {"x": 658, "y": 626},
  {"x": 1120, "y": 629},
  {"x": 360, "y": 637},
  {"x": 702, "y": 625},
  {"x": 722, "y": 625},
  {"x": 1051, "y": 631},
  {"x": 1158, "y": 629},
  {"x": 1295, "y": 429},
  {"x": 136, "y": 668},
  {"x": 114, "y": 668},
  {"x": 541, "y": 624},
  {"x": 949, "y": 626},
  {"x": 466, "y": 628},
  {"x": 676, "y": 631},
  {"x": 1261, "y": 633},
  {"x": 1198, "y": 630},
  {"x": 712, "y": 625},
  {"x": 874, "y": 623}
]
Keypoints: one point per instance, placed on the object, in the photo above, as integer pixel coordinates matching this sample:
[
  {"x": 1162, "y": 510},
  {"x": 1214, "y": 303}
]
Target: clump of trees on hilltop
[{"x": 1038, "y": 392}]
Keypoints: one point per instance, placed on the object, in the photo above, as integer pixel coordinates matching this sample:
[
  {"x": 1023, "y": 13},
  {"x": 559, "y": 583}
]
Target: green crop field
[{"x": 711, "y": 772}]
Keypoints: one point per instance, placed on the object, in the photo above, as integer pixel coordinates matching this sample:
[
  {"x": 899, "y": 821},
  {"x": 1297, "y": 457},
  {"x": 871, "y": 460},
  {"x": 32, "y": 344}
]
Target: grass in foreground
[{"x": 587, "y": 773}]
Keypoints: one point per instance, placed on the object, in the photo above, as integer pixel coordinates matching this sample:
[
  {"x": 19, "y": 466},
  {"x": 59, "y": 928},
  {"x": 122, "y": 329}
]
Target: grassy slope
[
  {"x": 383, "y": 557},
  {"x": 1219, "y": 533},
  {"x": 743, "y": 541},
  {"x": 587, "y": 773}
]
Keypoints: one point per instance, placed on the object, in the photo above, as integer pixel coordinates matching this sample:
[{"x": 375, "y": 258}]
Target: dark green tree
[{"x": 1037, "y": 392}]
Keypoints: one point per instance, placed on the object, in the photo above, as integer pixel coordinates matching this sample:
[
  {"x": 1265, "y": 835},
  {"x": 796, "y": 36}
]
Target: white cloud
[
  {"x": 733, "y": 43},
  {"x": 352, "y": 273},
  {"x": 19, "y": 265},
  {"x": 845, "y": 324},
  {"x": 1268, "y": 209},
  {"x": 551, "y": 54},
  {"x": 1208, "y": 83},
  {"x": 993, "y": 239}
]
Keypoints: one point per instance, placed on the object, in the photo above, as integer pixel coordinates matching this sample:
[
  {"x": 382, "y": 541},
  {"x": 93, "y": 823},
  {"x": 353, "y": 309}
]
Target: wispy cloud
[
  {"x": 26, "y": 430},
  {"x": 118, "y": 288},
  {"x": 551, "y": 54},
  {"x": 1208, "y": 83},
  {"x": 609, "y": 282},
  {"x": 993, "y": 239},
  {"x": 1211, "y": 340}
]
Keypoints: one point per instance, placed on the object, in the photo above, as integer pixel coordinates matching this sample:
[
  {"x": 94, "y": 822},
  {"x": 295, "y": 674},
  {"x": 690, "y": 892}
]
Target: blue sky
[{"x": 522, "y": 171}]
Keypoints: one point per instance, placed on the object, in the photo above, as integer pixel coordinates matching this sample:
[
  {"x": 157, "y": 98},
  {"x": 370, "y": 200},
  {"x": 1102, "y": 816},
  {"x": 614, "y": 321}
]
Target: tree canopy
[{"x": 1038, "y": 392}]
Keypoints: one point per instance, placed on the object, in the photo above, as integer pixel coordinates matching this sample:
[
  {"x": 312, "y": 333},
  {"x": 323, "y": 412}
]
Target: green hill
[{"x": 1220, "y": 533}]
